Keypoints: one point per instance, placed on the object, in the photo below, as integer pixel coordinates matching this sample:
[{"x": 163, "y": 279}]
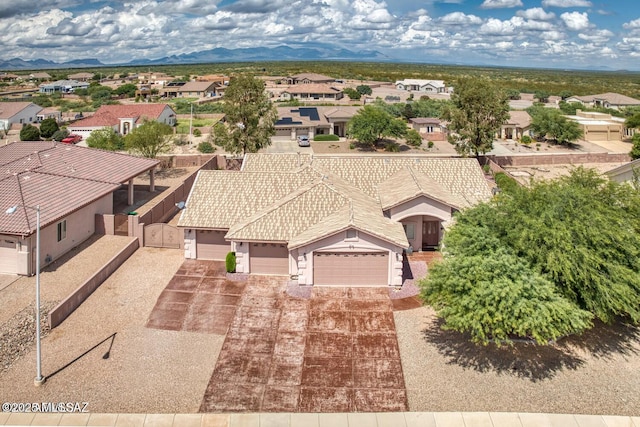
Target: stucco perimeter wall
[
  {"x": 77, "y": 297},
  {"x": 558, "y": 159},
  {"x": 339, "y": 243}
]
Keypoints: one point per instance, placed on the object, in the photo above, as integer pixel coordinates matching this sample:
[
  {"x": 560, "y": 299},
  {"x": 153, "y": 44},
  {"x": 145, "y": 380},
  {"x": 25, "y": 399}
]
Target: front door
[{"x": 430, "y": 234}]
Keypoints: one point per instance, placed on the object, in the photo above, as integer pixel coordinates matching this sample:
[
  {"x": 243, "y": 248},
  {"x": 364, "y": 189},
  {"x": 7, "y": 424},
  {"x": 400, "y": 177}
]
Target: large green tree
[
  {"x": 635, "y": 149},
  {"x": 478, "y": 110},
  {"x": 371, "y": 124},
  {"x": 568, "y": 246},
  {"x": 149, "y": 139},
  {"x": 48, "y": 127},
  {"x": 552, "y": 124},
  {"x": 106, "y": 139},
  {"x": 249, "y": 114}
]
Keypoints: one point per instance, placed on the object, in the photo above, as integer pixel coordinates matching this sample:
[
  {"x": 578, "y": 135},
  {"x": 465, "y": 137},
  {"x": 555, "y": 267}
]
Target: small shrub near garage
[
  {"x": 205, "y": 147},
  {"x": 326, "y": 138},
  {"x": 526, "y": 140},
  {"x": 230, "y": 262}
]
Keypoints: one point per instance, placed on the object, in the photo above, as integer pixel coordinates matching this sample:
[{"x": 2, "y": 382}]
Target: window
[
  {"x": 62, "y": 230},
  {"x": 352, "y": 234},
  {"x": 410, "y": 231}
]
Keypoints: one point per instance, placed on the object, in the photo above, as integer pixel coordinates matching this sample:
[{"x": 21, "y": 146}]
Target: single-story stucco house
[
  {"x": 18, "y": 113},
  {"x": 628, "y": 172},
  {"x": 612, "y": 100},
  {"x": 311, "y": 121},
  {"x": 328, "y": 219},
  {"x": 123, "y": 118},
  {"x": 601, "y": 126},
  {"x": 70, "y": 184},
  {"x": 517, "y": 126}
]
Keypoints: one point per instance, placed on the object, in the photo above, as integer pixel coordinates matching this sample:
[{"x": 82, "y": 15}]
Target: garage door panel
[
  {"x": 351, "y": 269},
  {"x": 268, "y": 258},
  {"x": 210, "y": 244},
  {"x": 8, "y": 257}
]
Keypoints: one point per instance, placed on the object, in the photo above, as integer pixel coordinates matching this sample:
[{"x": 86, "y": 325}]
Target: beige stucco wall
[
  {"x": 80, "y": 226},
  {"x": 303, "y": 265}
]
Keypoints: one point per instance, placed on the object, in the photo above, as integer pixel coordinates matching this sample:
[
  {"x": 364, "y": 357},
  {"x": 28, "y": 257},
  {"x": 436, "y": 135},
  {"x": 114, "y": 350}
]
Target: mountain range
[{"x": 280, "y": 53}]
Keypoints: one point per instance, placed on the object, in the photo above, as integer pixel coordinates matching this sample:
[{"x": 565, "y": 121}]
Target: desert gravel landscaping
[{"x": 106, "y": 354}]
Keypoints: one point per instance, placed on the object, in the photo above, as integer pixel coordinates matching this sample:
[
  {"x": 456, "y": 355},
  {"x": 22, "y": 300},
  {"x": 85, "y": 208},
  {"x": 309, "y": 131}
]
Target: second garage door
[
  {"x": 268, "y": 258},
  {"x": 210, "y": 244},
  {"x": 351, "y": 269}
]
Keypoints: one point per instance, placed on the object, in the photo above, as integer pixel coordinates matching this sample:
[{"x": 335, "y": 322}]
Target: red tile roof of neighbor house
[
  {"x": 60, "y": 178},
  {"x": 110, "y": 115}
]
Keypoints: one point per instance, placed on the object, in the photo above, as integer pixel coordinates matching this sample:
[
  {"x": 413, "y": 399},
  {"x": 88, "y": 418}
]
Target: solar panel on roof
[
  {"x": 310, "y": 112},
  {"x": 287, "y": 121}
]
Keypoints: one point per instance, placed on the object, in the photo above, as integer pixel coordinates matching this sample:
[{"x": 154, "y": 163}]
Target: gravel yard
[
  {"x": 105, "y": 354},
  {"x": 597, "y": 374}
]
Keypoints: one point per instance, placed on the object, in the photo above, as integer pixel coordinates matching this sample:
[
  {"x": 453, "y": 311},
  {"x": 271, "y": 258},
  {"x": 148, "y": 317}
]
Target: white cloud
[
  {"x": 576, "y": 21},
  {"x": 459, "y": 18},
  {"x": 566, "y": 3},
  {"x": 497, "y": 27},
  {"x": 632, "y": 25},
  {"x": 500, "y": 4},
  {"x": 536, "y": 13},
  {"x": 598, "y": 36}
]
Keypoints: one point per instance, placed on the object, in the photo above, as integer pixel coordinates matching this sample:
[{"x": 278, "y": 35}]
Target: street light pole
[{"x": 39, "y": 379}]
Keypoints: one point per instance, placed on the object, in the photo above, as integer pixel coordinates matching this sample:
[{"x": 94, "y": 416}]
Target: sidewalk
[{"x": 395, "y": 419}]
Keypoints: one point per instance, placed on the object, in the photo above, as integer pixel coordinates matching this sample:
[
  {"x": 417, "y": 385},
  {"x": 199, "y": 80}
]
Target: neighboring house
[
  {"x": 70, "y": 184},
  {"x": 153, "y": 78},
  {"x": 197, "y": 90},
  {"x": 518, "y": 125},
  {"x": 312, "y": 92},
  {"x": 40, "y": 76},
  {"x": 328, "y": 219},
  {"x": 222, "y": 80},
  {"x": 18, "y": 113},
  {"x": 8, "y": 77},
  {"x": 629, "y": 172},
  {"x": 430, "y": 128},
  {"x": 311, "y": 121},
  {"x": 123, "y": 118},
  {"x": 81, "y": 77},
  {"x": 601, "y": 126},
  {"x": 63, "y": 86},
  {"x": 426, "y": 86},
  {"x": 309, "y": 78},
  {"x": 171, "y": 89},
  {"x": 49, "y": 113},
  {"x": 612, "y": 100}
]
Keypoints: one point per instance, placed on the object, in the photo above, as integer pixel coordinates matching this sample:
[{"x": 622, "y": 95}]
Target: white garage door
[
  {"x": 268, "y": 258},
  {"x": 351, "y": 269},
  {"x": 210, "y": 244},
  {"x": 8, "y": 256}
]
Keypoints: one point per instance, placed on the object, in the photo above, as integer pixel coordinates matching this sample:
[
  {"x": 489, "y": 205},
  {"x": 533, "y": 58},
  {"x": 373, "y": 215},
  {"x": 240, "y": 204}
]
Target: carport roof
[{"x": 59, "y": 178}]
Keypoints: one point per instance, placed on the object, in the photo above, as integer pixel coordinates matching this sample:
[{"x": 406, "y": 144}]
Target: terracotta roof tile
[{"x": 110, "y": 115}]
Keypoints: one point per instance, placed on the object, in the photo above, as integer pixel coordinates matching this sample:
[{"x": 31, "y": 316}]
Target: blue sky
[{"x": 527, "y": 33}]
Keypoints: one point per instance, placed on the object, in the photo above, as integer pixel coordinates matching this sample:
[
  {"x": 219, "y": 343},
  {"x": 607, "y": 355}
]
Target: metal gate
[{"x": 162, "y": 236}]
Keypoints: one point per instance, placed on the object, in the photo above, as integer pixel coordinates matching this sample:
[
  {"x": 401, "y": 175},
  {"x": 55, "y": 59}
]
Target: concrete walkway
[{"x": 391, "y": 419}]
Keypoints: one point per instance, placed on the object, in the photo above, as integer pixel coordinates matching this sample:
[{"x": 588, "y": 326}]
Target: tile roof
[
  {"x": 299, "y": 198},
  {"x": 312, "y": 77},
  {"x": 10, "y": 109},
  {"x": 611, "y": 97},
  {"x": 425, "y": 120},
  {"x": 60, "y": 178},
  {"x": 197, "y": 86},
  {"x": 110, "y": 115},
  {"x": 407, "y": 184},
  {"x": 459, "y": 176},
  {"x": 519, "y": 118},
  {"x": 219, "y": 199}
]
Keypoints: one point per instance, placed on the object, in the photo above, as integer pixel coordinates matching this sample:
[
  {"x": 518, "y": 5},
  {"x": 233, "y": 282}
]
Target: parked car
[
  {"x": 303, "y": 141},
  {"x": 72, "y": 139}
]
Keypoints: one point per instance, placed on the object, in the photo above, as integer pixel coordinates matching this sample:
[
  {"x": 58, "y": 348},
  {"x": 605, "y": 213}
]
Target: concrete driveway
[
  {"x": 285, "y": 145},
  {"x": 334, "y": 350}
]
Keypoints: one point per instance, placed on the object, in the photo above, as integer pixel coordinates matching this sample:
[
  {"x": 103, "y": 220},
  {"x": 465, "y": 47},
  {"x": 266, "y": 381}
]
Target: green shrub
[
  {"x": 526, "y": 139},
  {"x": 430, "y": 144},
  {"x": 392, "y": 147},
  {"x": 197, "y": 132},
  {"x": 326, "y": 138},
  {"x": 206, "y": 147},
  {"x": 230, "y": 262},
  {"x": 352, "y": 146},
  {"x": 180, "y": 140}
]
